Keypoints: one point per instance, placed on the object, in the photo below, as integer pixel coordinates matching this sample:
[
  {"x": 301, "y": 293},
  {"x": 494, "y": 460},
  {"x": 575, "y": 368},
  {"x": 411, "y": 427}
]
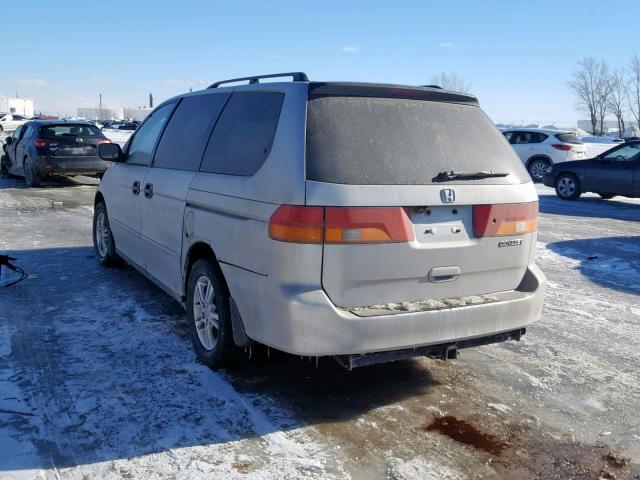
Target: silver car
[{"x": 363, "y": 221}]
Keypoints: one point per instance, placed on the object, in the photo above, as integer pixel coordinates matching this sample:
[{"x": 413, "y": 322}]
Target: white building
[
  {"x": 139, "y": 113},
  {"x": 19, "y": 106},
  {"x": 100, "y": 113}
]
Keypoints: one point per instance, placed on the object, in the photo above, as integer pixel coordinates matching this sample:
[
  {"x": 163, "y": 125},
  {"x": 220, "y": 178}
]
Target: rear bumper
[
  {"x": 303, "y": 321},
  {"x": 71, "y": 165}
]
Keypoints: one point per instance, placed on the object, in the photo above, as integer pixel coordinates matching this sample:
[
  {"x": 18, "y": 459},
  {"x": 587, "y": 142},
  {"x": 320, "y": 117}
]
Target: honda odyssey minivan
[{"x": 363, "y": 221}]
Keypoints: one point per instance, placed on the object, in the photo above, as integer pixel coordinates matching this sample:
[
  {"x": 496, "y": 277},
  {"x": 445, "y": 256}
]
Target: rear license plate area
[{"x": 442, "y": 224}]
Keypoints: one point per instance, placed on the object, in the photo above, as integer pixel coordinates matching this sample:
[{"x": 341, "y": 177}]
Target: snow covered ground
[{"x": 98, "y": 378}]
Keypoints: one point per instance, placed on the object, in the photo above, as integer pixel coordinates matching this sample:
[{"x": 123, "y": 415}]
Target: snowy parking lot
[{"x": 98, "y": 378}]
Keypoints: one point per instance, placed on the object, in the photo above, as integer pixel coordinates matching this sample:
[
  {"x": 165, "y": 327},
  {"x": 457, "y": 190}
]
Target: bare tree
[
  {"x": 617, "y": 98},
  {"x": 588, "y": 85},
  {"x": 602, "y": 93},
  {"x": 451, "y": 81},
  {"x": 633, "y": 87}
]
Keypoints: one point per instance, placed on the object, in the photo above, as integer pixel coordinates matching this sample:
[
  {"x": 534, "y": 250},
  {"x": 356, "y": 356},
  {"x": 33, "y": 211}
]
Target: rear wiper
[{"x": 453, "y": 175}]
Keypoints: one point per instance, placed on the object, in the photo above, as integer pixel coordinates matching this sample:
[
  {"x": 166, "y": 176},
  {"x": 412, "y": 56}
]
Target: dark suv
[{"x": 41, "y": 148}]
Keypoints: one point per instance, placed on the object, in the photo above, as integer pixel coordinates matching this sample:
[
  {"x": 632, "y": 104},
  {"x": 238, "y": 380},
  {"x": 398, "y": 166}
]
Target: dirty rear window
[
  {"x": 393, "y": 141},
  {"x": 568, "y": 138}
]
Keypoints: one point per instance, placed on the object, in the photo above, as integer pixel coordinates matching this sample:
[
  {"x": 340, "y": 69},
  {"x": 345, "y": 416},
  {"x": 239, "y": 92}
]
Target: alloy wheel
[
  {"x": 102, "y": 235},
  {"x": 205, "y": 313},
  {"x": 566, "y": 186}
]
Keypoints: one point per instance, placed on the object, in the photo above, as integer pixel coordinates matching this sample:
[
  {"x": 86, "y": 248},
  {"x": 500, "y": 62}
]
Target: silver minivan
[{"x": 363, "y": 221}]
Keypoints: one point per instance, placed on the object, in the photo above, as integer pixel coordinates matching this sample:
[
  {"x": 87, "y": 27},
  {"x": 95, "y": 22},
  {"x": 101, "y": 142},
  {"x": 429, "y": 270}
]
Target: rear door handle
[
  {"x": 444, "y": 274},
  {"x": 148, "y": 190},
  {"x": 135, "y": 188}
]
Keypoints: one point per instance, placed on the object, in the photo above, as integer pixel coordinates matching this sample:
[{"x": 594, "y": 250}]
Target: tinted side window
[
  {"x": 144, "y": 141},
  {"x": 624, "y": 154},
  {"x": 508, "y": 135},
  {"x": 186, "y": 135},
  {"x": 16, "y": 133},
  {"x": 243, "y": 137}
]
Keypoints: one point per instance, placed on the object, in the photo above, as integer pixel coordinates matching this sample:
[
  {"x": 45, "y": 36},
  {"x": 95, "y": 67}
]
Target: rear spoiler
[{"x": 379, "y": 90}]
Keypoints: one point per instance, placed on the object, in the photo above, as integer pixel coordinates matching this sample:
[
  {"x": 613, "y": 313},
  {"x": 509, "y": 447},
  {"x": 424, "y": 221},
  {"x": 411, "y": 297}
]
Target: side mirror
[
  {"x": 110, "y": 152},
  {"x": 9, "y": 140}
]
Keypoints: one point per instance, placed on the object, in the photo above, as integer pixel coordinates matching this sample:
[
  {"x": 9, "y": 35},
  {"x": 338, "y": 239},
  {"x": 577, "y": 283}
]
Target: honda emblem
[{"x": 447, "y": 195}]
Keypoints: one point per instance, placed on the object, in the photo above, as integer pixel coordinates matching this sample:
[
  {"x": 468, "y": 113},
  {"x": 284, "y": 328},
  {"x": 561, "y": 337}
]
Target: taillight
[
  {"x": 297, "y": 224},
  {"x": 38, "y": 142},
  {"x": 340, "y": 225},
  {"x": 367, "y": 225},
  {"x": 103, "y": 140},
  {"x": 505, "y": 219},
  {"x": 561, "y": 146}
]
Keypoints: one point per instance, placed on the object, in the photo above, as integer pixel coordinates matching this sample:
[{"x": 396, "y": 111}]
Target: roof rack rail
[
  {"x": 432, "y": 86},
  {"x": 296, "y": 76}
]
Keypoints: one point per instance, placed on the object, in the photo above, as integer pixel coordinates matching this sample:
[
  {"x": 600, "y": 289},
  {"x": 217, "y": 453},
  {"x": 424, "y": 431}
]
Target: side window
[
  {"x": 26, "y": 132},
  {"x": 183, "y": 141},
  {"x": 508, "y": 136},
  {"x": 540, "y": 137},
  {"x": 145, "y": 139},
  {"x": 243, "y": 136},
  {"x": 624, "y": 154},
  {"x": 17, "y": 132}
]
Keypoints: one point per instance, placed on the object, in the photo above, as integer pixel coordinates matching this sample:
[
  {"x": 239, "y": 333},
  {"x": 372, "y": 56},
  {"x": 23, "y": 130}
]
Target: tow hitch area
[{"x": 443, "y": 351}]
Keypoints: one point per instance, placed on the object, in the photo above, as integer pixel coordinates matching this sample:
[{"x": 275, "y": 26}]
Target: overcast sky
[{"x": 517, "y": 56}]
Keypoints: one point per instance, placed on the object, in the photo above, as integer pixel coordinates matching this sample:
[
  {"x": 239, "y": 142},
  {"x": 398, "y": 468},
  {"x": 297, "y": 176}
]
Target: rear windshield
[
  {"x": 568, "y": 138},
  {"x": 392, "y": 141},
  {"x": 61, "y": 131}
]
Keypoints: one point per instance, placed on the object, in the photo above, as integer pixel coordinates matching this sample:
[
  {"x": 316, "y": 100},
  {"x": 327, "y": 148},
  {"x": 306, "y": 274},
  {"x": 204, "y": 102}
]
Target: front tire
[
  {"x": 103, "y": 243},
  {"x": 568, "y": 187},
  {"x": 537, "y": 168},
  {"x": 209, "y": 315},
  {"x": 32, "y": 177}
]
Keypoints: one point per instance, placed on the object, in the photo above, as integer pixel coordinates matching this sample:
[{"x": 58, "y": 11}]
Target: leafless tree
[
  {"x": 603, "y": 94},
  {"x": 589, "y": 85},
  {"x": 616, "y": 99},
  {"x": 451, "y": 81},
  {"x": 633, "y": 87}
]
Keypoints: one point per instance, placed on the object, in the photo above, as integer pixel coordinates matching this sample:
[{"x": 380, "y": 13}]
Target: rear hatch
[
  {"x": 72, "y": 140},
  {"x": 424, "y": 199},
  {"x": 576, "y": 149}
]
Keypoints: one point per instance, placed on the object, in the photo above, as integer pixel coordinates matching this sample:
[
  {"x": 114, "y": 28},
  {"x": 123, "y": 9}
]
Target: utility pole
[
  {"x": 100, "y": 102},
  {"x": 151, "y": 100}
]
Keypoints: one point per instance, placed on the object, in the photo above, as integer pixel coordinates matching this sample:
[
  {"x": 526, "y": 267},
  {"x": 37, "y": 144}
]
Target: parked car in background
[
  {"x": 540, "y": 148},
  {"x": 615, "y": 172},
  {"x": 41, "y": 148},
  {"x": 10, "y": 121},
  {"x": 273, "y": 214},
  {"x": 128, "y": 126}
]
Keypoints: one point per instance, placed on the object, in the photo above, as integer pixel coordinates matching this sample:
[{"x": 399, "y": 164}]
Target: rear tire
[
  {"x": 606, "y": 196},
  {"x": 209, "y": 315},
  {"x": 32, "y": 177},
  {"x": 537, "y": 168},
  {"x": 103, "y": 243},
  {"x": 568, "y": 186}
]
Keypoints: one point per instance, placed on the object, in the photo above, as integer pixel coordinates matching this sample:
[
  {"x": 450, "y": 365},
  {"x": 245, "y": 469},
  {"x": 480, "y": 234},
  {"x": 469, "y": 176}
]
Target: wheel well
[
  {"x": 566, "y": 172},
  {"x": 98, "y": 199},
  {"x": 539, "y": 157},
  {"x": 196, "y": 252}
]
